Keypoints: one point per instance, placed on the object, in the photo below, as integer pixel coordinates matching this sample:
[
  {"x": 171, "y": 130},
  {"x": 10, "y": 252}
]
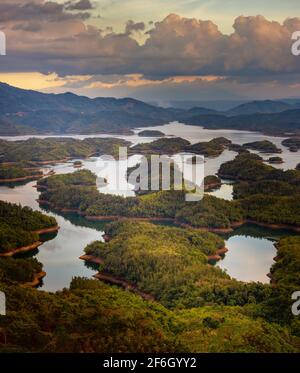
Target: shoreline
[
  {"x": 31, "y": 247},
  {"x": 36, "y": 280},
  {"x": 91, "y": 259},
  {"x": 19, "y": 179},
  {"x": 22, "y": 249},
  {"x": 218, "y": 254},
  {"x": 224, "y": 230},
  {"x": 113, "y": 280},
  {"x": 47, "y": 230}
]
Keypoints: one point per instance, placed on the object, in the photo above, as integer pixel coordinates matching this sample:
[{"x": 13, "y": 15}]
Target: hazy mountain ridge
[
  {"x": 69, "y": 113},
  {"x": 31, "y": 112}
]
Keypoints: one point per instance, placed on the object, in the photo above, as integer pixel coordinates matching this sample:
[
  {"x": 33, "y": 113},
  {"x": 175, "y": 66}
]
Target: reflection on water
[
  {"x": 251, "y": 250},
  {"x": 59, "y": 255},
  {"x": 225, "y": 192}
]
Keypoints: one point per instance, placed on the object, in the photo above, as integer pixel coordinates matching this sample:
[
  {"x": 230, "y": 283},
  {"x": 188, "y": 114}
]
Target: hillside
[
  {"x": 24, "y": 112},
  {"x": 31, "y": 112}
]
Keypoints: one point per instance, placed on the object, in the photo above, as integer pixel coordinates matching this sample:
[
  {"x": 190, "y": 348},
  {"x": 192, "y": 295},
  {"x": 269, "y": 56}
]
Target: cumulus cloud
[
  {"x": 132, "y": 26},
  {"x": 48, "y": 37},
  {"x": 79, "y": 5}
]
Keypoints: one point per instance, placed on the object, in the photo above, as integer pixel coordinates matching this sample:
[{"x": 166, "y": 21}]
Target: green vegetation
[
  {"x": 245, "y": 166},
  {"x": 175, "y": 145},
  {"x": 55, "y": 149},
  {"x": 14, "y": 271},
  {"x": 272, "y": 209},
  {"x": 17, "y": 226},
  {"x": 149, "y": 176},
  {"x": 151, "y": 133},
  {"x": 94, "y": 317},
  {"x": 67, "y": 192},
  {"x": 275, "y": 160},
  {"x": 171, "y": 264},
  {"x": 212, "y": 182},
  {"x": 293, "y": 143},
  {"x": 285, "y": 281},
  {"x": 18, "y": 171},
  {"x": 211, "y": 212},
  {"x": 256, "y": 200},
  {"x": 263, "y": 146},
  {"x": 161, "y": 146},
  {"x": 212, "y": 148}
]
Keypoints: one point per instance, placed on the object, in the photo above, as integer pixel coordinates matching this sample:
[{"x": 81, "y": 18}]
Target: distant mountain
[
  {"x": 30, "y": 112},
  {"x": 24, "y": 111},
  {"x": 275, "y": 123},
  {"x": 218, "y": 105},
  {"x": 262, "y": 107}
]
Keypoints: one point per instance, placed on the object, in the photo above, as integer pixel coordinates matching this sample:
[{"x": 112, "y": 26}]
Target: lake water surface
[{"x": 251, "y": 251}]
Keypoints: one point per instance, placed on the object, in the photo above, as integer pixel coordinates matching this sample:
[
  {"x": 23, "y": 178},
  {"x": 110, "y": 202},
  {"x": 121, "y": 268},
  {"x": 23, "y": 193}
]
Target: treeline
[
  {"x": 55, "y": 149},
  {"x": 171, "y": 264},
  {"x": 17, "y": 171},
  {"x": 263, "y": 146},
  {"x": 210, "y": 212},
  {"x": 94, "y": 317},
  {"x": 19, "y": 270},
  {"x": 175, "y": 145},
  {"x": 17, "y": 226}
]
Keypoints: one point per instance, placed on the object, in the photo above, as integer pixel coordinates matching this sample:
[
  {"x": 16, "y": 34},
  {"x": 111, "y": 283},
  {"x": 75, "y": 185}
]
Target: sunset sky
[{"x": 153, "y": 50}]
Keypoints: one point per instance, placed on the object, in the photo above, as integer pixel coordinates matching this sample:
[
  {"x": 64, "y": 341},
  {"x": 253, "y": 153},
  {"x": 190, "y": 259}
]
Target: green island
[
  {"x": 263, "y": 146},
  {"x": 195, "y": 307},
  {"x": 53, "y": 150},
  {"x": 21, "y": 227},
  {"x": 151, "y": 133},
  {"x": 292, "y": 143},
  {"x": 18, "y": 172},
  {"x": 158, "y": 284},
  {"x": 78, "y": 193},
  {"x": 175, "y": 145},
  {"x": 20, "y": 271},
  {"x": 275, "y": 160}
]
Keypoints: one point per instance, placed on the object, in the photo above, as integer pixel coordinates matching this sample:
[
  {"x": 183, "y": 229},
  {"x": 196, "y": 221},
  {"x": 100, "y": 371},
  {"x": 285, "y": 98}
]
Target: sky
[{"x": 154, "y": 50}]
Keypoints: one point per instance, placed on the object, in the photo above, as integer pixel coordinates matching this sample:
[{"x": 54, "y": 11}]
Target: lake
[{"x": 251, "y": 251}]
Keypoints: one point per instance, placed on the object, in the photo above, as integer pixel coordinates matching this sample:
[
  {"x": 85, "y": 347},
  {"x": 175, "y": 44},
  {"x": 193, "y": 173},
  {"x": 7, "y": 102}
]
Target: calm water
[{"x": 250, "y": 253}]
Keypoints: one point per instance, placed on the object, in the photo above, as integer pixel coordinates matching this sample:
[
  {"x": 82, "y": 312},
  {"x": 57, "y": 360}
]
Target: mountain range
[{"x": 31, "y": 112}]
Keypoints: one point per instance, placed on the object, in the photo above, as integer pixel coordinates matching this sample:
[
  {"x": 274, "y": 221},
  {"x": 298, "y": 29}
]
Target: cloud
[
  {"x": 47, "y": 37},
  {"x": 79, "y": 5}
]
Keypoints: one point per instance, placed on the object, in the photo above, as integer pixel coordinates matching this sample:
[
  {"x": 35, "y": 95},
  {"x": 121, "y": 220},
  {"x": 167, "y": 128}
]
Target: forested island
[
  {"x": 170, "y": 146},
  {"x": 78, "y": 193},
  {"x": 18, "y": 172},
  {"x": 263, "y": 146},
  {"x": 151, "y": 133},
  {"x": 21, "y": 227},
  {"x": 54, "y": 150},
  {"x": 158, "y": 283},
  {"x": 195, "y": 307}
]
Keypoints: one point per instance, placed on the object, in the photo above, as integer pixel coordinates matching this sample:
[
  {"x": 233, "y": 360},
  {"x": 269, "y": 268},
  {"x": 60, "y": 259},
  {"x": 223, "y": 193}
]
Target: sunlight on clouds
[
  {"x": 138, "y": 80},
  {"x": 38, "y": 81}
]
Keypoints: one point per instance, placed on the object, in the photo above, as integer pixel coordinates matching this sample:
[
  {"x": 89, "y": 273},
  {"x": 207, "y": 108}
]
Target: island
[
  {"x": 77, "y": 164},
  {"x": 21, "y": 228},
  {"x": 151, "y": 133},
  {"x": 275, "y": 160},
  {"x": 292, "y": 143},
  {"x": 174, "y": 145},
  {"x": 18, "y": 173},
  {"x": 38, "y": 152},
  {"x": 263, "y": 146}
]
